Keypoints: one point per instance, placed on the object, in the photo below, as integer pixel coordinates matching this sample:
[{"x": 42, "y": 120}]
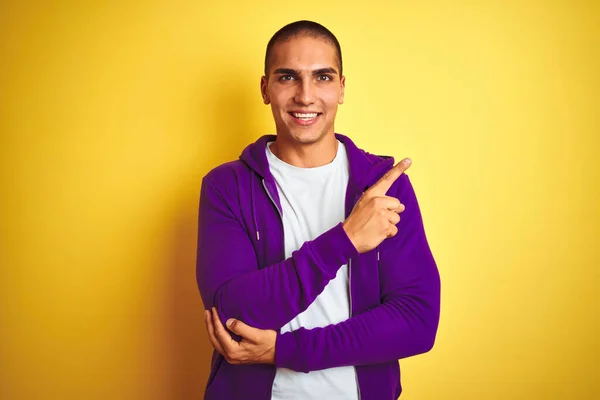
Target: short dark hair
[{"x": 303, "y": 28}]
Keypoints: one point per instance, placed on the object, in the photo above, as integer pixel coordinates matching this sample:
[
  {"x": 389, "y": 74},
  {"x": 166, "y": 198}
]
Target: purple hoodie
[{"x": 241, "y": 269}]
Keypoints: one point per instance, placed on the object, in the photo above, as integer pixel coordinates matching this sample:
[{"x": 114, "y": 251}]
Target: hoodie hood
[{"x": 365, "y": 168}]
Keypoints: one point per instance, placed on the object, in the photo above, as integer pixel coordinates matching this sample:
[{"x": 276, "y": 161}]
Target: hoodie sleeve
[
  {"x": 404, "y": 325},
  {"x": 229, "y": 277}
]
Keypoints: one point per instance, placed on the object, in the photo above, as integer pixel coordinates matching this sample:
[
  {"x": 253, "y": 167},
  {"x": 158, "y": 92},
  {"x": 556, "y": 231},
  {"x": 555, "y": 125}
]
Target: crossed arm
[{"x": 404, "y": 325}]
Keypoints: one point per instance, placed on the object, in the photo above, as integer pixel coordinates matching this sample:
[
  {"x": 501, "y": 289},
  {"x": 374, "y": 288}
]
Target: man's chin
[{"x": 307, "y": 137}]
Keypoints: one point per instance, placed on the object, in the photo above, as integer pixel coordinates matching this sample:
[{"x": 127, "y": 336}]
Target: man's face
[{"x": 304, "y": 88}]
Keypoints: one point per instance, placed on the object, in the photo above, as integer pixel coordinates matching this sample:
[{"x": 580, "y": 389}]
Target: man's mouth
[{"x": 305, "y": 116}]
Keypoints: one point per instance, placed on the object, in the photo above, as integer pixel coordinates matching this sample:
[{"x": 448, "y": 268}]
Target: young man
[{"x": 303, "y": 251}]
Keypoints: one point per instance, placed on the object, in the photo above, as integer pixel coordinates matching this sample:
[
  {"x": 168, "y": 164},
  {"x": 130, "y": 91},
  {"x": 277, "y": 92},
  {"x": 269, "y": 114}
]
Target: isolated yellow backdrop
[{"x": 111, "y": 113}]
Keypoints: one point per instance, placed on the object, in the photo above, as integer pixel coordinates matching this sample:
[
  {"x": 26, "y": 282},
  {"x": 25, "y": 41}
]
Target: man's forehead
[{"x": 304, "y": 54}]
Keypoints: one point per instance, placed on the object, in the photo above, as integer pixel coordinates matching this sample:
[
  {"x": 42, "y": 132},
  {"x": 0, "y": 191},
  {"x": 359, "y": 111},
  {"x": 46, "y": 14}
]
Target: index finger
[{"x": 385, "y": 183}]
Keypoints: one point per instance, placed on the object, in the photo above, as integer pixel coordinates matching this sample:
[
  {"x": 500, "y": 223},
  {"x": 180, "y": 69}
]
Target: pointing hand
[{"x": 375, "y": 215}]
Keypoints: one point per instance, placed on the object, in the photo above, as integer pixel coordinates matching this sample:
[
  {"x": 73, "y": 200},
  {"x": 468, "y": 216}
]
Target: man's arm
[
  {"x": 404, "y": 325},
  {"x": 229, "y": 277}
]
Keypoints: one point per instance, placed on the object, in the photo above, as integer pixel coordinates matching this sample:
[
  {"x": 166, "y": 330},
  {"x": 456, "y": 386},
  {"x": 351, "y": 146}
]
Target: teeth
[{"x": 303, "y": 115}]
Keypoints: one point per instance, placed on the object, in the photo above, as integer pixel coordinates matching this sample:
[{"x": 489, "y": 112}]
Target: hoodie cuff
[
  {"x": 287, "y": 353},
  {"x": 333, "y": 249}
]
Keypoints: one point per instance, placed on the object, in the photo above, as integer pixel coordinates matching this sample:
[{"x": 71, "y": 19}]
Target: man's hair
[{"x": 303, "y": 29}]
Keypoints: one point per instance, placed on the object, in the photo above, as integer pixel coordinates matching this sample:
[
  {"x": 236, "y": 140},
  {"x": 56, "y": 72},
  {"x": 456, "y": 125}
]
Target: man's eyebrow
[
  {"x": 286, "y": 71},
  {"x": 289, "y": 71},
  {"x": 325, "y": 71}
]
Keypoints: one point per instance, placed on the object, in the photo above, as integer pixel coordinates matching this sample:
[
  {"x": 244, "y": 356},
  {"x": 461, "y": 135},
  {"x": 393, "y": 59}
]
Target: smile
[{"x": 304, "y": 118}]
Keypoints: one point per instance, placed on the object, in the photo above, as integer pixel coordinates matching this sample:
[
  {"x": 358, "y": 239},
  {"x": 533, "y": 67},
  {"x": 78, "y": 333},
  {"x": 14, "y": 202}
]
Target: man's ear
[
  {"x": 343, "y": 85},
  {"x": 263, "y": 90}
]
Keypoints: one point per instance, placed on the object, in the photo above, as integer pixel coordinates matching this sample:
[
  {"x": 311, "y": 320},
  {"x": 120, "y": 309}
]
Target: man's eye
[
  {"x": 324, "y": 78},
  {"x": 286, "y": 78}
]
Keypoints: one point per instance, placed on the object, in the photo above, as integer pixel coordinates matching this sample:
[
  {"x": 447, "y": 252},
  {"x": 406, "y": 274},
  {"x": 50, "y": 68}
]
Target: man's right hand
[{"x": 375, "y": 215}]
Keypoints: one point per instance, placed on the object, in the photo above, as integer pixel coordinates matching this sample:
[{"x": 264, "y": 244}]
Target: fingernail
[
  {"x": 229, "y": 322},
  {"x": 407, "y": 161}
]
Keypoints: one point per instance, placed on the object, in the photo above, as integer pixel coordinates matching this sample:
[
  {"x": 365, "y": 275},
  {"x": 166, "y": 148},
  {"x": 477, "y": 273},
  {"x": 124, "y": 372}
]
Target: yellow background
[{"x": 110, "y": 114}]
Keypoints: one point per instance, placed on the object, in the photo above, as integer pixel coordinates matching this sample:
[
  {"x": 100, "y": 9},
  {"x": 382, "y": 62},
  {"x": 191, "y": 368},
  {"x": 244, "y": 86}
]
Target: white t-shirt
[{"x": 312, "y": 201}]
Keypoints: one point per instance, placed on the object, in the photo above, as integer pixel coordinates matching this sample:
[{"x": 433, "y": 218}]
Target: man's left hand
[{"x": 256, "y": 347}]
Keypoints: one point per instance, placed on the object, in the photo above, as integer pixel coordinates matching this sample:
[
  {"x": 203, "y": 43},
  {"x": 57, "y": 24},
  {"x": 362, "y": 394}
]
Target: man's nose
[{"x": 306, "y": 93}]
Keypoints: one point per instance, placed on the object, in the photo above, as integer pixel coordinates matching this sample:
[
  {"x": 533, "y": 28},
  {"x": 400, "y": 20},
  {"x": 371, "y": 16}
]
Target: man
[{"x": 302, "y": 251}]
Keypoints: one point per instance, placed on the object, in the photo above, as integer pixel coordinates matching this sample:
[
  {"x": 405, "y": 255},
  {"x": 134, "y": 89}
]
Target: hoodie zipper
[
  {"x": 270, "y": 392},
  {"x": 273, "y": 201},
  {"x": 350, "y": 296}
]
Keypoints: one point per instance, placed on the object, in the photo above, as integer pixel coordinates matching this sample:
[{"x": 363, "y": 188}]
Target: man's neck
[{"x": 310, "y": 155}]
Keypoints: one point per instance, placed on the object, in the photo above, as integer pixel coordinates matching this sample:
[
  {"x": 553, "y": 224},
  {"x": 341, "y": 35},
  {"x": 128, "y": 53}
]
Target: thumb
[{"x": 239, "y": 328}]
